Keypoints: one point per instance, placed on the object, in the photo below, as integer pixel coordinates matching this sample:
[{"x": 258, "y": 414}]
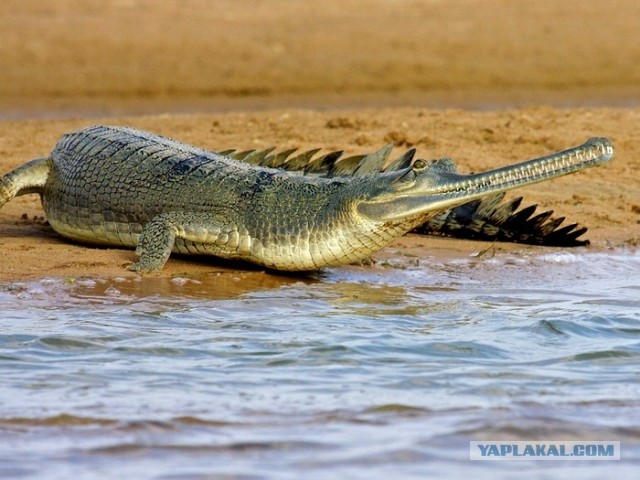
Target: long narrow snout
[
  {"x": 593, "y": 152},
  {"x": 438, "y": 190}
]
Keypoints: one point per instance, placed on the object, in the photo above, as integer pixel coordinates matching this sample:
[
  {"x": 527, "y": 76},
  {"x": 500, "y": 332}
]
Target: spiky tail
[{"x": 489, "y": 219}]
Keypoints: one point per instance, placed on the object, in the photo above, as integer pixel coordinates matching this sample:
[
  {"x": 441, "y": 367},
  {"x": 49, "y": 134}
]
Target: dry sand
[{"x": 525, "y": 78}]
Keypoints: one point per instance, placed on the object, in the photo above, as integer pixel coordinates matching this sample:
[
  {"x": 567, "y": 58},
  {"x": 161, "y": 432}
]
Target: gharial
[{"x": 118, "y": 186}]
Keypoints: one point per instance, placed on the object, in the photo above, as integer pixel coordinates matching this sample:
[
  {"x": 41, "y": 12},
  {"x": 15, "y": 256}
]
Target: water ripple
[{"x": 357, "y": 373}]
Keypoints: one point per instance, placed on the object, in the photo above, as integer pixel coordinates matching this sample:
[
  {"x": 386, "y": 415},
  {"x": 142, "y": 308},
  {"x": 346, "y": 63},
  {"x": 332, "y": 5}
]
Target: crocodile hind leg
[
  {"x": 28, "y": 178},
  {"x": 184, "y": 233}
]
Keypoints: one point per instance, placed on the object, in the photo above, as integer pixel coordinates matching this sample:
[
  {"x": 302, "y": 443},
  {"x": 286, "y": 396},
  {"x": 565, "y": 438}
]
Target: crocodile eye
[{"x": 420, "y": 165}]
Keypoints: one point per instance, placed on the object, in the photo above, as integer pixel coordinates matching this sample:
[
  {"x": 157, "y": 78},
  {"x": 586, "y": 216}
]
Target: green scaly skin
[{"x": 117, "y": 186}]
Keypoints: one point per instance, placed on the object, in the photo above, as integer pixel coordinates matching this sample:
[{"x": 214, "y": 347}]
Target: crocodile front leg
[{"x": 184, "y": 233}]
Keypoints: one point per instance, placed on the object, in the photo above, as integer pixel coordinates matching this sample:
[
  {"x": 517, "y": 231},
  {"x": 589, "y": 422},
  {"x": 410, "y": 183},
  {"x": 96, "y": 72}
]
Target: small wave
[{"x": 60, "y": 420}]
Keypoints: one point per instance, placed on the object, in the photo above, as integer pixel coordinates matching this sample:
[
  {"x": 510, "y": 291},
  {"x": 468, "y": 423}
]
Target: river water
[{"x": 358, "y": 373}]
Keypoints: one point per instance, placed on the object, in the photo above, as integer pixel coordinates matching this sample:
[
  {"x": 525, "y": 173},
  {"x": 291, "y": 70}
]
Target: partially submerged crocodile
[{"x": 118, "y": 186}]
